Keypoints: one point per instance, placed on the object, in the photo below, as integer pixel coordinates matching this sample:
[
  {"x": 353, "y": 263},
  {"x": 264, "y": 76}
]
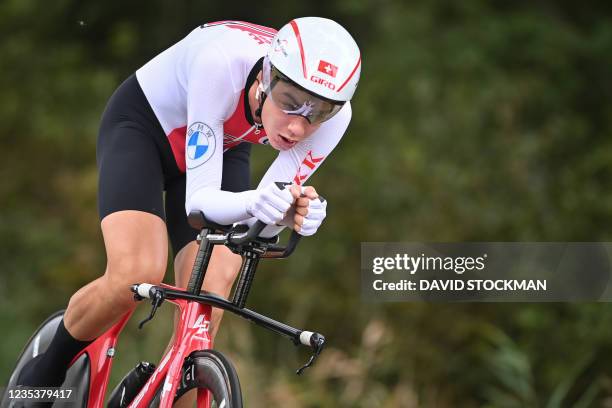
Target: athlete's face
[{"x": 284, "y": 130}]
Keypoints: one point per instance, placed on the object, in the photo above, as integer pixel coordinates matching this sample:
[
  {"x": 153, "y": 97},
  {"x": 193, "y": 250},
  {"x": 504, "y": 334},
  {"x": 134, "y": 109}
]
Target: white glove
[
  {"x": 314, "y": 218},
  {"x": 269, "y": 204}
]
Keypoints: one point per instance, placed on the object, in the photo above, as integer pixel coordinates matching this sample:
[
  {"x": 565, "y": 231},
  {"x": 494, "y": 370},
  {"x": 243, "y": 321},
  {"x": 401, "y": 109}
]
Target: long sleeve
[{"x": 211, "y": 95}]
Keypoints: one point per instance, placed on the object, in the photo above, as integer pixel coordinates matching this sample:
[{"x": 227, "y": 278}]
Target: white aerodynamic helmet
[{"x": 312, "y": 68}]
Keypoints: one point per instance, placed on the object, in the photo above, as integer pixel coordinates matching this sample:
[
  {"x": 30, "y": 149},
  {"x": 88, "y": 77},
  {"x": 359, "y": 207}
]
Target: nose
[{"x": 298, "y": 126}]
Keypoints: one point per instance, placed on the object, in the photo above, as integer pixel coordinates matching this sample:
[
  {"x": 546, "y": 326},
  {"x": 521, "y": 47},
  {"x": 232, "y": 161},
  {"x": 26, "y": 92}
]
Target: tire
[
  {"x": 77, "y": 376},
  {"x": 211, "y": 370}
]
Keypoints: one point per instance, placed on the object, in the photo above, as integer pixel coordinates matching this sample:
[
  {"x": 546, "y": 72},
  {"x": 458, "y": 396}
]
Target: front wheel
[{"x": 212, "y": 371}]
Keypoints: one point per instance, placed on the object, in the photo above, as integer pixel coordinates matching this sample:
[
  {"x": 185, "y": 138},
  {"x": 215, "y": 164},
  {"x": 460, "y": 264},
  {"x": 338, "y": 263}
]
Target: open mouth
[{"x": 288, "y": 141}]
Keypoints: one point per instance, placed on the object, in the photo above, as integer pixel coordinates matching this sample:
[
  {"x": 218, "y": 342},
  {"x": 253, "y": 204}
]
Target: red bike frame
[{"x": 191, "y": 334}]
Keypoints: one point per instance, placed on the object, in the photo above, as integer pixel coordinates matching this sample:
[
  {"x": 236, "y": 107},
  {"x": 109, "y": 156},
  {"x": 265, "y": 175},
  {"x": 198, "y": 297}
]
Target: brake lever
[
  {"x": 317, "y": 343},
  {"x": 158, "y": 299}
]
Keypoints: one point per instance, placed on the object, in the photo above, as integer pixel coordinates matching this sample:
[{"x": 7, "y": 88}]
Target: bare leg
[{"x": 136, "y": 247}]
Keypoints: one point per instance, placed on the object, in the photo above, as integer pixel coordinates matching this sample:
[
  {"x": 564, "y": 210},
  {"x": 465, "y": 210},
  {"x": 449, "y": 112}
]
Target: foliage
[{"x": 473, "y": 121}]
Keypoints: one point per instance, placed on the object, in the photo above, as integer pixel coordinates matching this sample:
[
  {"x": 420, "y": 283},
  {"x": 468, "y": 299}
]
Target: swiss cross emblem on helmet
[
  {"x": 328, "y": 68},
  {"x": 200, "y": 144}
]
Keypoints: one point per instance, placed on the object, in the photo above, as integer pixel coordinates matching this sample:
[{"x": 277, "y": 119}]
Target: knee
[
  {"x": 223, "y": 270},
  {"x": 227, "y": 272},
  {"x": 122, "y": 273}
]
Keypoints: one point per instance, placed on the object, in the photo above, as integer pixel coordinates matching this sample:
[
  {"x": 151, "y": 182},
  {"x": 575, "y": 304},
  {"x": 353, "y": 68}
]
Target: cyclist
[{"x": 183, "y": 124}]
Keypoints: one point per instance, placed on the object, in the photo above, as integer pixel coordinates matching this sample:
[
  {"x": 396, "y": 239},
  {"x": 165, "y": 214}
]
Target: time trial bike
[{"x": 191, "y": 362}]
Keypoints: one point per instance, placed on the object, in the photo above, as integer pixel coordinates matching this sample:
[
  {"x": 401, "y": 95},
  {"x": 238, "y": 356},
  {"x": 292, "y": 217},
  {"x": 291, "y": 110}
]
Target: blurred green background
[{"x": 473, "y": 121}]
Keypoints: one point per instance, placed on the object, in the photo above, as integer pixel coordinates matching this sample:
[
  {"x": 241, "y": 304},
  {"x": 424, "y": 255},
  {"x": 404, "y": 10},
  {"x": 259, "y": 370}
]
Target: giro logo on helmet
[{"x": 323, "y": 82}]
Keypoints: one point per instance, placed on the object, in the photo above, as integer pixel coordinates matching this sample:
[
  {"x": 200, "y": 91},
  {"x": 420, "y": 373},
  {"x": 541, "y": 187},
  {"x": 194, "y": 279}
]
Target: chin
[{"x": 274, "y": 145}]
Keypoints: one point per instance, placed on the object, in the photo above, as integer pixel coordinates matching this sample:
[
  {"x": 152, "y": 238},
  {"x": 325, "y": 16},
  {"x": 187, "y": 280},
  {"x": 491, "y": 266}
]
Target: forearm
[
  {"x": 225, "y": 208},
  {"x": 222, "y": 207}
]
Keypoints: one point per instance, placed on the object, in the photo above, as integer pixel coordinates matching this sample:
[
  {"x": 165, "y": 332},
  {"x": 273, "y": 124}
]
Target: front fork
[{"x": 192, "y": 333}]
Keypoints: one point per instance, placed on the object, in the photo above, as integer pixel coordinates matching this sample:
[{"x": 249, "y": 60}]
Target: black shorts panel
[{"x": 130, "y": 173}]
